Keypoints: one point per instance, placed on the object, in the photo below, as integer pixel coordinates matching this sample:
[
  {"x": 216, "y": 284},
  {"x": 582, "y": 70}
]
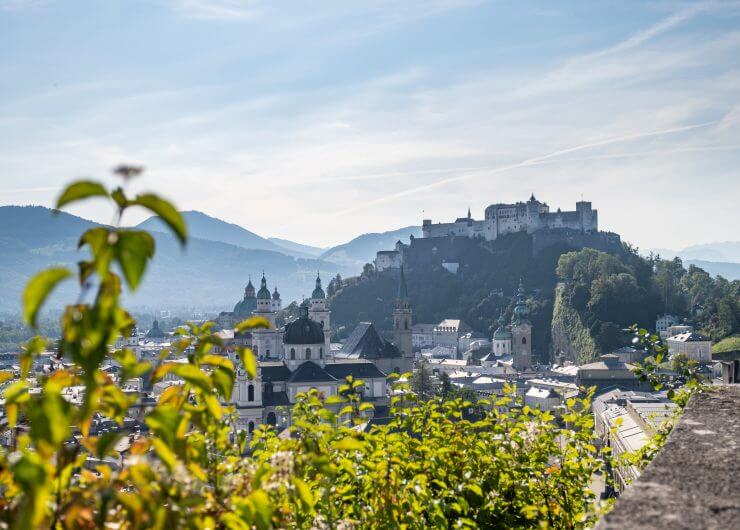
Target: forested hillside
[
  {"x": 604, "y": 294},
  {"x": 481, "y": 290},
  {"x": 599, "y": 293}
]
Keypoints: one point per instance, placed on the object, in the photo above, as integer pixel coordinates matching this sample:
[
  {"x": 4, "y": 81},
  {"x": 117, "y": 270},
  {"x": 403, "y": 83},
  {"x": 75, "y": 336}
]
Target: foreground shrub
[{"x": 428, "y": 467}]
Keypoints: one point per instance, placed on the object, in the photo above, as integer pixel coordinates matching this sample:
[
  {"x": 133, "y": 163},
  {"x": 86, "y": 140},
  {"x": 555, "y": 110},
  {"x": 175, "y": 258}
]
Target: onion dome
[
  {"x": 318, "y": 292},
  {"x": 502, "y": 333},
  {"x": 264, "y": 292},
  {"x": 249, "y": 290},
  {"x": 155, "y": 332},
  {"x": 303, "y": 330},
  {"x": 275, "y": 294}
]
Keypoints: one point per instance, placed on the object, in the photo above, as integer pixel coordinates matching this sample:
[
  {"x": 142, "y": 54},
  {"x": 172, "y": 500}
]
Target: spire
[
  {"x": 318, "y": 292},
  {"x": 403, "y": 292},
  {"x": 469, "y": 216},
  {"x": 275, "y": 294},
  {"x": 264, "y": 292},
  {"x": 521, "y": 309}
]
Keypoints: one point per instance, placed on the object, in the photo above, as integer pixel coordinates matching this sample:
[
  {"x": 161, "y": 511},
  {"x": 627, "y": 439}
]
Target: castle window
[
  {"x": 292, "y": 354},
  {"x": 308, "y": 353},
  {"x": 250, "y": 393}
]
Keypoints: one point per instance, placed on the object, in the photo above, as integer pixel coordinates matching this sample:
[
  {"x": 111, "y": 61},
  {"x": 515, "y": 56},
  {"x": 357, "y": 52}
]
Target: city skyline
[{"x": 319, "y": 123}]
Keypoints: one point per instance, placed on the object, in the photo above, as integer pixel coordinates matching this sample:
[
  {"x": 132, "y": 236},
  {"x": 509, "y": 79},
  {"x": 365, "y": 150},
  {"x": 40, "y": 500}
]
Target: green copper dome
[
  {"x": 264, "y": 292},
  {"x": 318, "y": 292}
]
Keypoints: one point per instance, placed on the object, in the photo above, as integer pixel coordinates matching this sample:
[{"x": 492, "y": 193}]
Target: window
[
  {"x": 524, "y": 340},
  {"x": 308, "y": 353},
  {"x": 268, "y": 352},
  {"x": 250, "y": 393},
  {"x": 251, "y": 427},
  {"x": 256, "y": 349},
  {"x": 292, "y": 354},
  {"x": 321, "y": 353}
]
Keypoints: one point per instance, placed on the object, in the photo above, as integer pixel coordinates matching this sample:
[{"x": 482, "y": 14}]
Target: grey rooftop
[{"x": 694, "y": 480}]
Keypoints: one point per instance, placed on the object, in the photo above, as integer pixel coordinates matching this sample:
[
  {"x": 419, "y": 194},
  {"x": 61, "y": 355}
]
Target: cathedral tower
[
  {"x": 319, "y": 312},
  {"x": 402, "y": 324},
  {"x": 266, "y": 343}
]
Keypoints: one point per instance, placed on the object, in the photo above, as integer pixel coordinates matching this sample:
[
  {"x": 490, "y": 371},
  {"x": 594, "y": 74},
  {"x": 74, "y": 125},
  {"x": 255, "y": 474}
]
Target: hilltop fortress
[
  {"x": 573, "y": 229},
  {"x": 529, "y": 217}
]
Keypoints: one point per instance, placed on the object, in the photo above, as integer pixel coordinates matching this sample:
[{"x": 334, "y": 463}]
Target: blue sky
[{"x": 320, "y": 120}]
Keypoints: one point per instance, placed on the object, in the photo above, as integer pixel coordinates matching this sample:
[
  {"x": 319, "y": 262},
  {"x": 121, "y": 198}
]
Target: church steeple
[
  {"x": 469, "y": 216},
  {"x": 318, "y": 292},
  {"x": 403, "y": 291},
  {"x": 402, "y": 324}
]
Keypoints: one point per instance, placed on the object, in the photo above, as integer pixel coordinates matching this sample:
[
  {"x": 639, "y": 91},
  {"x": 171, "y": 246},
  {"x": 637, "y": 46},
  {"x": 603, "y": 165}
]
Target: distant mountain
[
  {"x": 297, "y": 248},
  {"x": 362, "y": 249},
  {"x": 205, "y": 275},
  {"x": 204, "y": 226},
  {"x": 726, "y": 251},
  {"x": 729, "y": 271}
]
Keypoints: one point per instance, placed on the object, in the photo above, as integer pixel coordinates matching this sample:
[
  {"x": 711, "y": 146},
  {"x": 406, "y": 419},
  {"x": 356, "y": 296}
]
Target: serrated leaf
[{"x": 38, "y": 289}]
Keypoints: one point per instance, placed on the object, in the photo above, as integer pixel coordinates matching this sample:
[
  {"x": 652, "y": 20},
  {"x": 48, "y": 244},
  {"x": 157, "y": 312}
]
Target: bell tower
[
  {"x": 402, "y": 324},
  {"x": 521, "y": 332}
]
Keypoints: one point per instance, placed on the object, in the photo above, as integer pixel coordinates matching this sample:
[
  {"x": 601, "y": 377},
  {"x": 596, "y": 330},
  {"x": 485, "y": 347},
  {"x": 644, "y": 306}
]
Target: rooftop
[{"x": 694, "y": 480}]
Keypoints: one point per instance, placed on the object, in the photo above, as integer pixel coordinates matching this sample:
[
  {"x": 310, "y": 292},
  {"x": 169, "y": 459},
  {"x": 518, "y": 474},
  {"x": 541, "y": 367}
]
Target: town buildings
[{"x": 694, "y": 346}]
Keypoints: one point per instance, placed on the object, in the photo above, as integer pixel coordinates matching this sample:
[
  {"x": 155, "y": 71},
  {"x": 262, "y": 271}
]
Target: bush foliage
[{"x": 429, "y": 467}]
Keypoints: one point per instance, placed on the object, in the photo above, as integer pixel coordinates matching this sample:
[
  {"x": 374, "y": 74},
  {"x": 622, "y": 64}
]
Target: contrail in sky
[{"x": 524, "y": 163}]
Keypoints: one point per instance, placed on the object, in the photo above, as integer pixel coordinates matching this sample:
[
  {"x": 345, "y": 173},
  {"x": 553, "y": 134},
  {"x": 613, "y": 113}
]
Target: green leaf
[
  {"x": 166, "y": 212},
  {"x": 249, "y": 362},
  {"x": 349, "y": 444},
  {"x": 133, "y": 250},
  {"x": 38, "y": 289},
  {"x": 252, "y": 323},
  {"x": 82, "y": 189},
  {"x": 304, "y": 493}
]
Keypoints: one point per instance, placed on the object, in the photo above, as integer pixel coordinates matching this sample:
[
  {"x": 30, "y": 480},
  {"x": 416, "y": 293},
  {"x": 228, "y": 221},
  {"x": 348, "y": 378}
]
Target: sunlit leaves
[
  {"x": 82, "y": 189},
  {"x": 166, "y": 212},
  {"x": 38, "y": 289},
  {"x": 133, "y": 250}
]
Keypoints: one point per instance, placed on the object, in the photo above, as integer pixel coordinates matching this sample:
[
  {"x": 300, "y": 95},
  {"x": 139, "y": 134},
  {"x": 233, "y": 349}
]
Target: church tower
[
  {"x": 402, "y": 324},
  {"x": 266, "y": 343},
  {"x": 521, "y": 332},
  {"x": 319, "y": 312}
]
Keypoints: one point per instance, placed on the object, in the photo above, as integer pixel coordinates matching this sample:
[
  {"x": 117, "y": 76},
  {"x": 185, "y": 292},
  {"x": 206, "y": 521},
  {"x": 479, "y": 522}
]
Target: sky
[{"x": 320, "y": 120}]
